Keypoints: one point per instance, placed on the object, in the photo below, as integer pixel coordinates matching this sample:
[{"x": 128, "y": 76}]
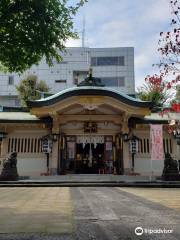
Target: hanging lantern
[{"x": 2, "y": 135}]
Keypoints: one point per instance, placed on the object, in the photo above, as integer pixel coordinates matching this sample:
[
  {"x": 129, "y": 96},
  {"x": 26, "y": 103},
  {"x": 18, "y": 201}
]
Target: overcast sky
[{"x": 126, "y": 23}]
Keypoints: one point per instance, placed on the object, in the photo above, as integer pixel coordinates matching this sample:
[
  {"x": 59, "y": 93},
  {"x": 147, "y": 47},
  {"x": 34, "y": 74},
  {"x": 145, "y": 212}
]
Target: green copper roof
[
  {"x": 18, "y": 117},
  {"x": 89, "y": 91},
  {"x": 28, "y": 117},
  {"x": 166, "y": 117}
]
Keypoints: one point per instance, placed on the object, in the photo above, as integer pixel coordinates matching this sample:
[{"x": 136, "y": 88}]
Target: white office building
[{"x": 115, "y": 66}]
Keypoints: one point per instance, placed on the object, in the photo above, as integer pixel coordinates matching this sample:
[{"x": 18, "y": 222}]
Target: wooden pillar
[
  {"x": 125, "y": 129},
  {"x": 126, "y": 157},
  {"x": 55, "y": 147},
  {"x": 54, "y": 159},
  {"x": 3, "y": 151},
  {"x": 4, "y": 147},
  {"x": 119, "y": 163}
]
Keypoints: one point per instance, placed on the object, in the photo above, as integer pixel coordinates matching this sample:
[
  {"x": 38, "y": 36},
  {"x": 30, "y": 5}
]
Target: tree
[
  {"x": 169, "y": 43},
  {"x": 157, "y": 88},
  {"x": 30, "y": 89},
  {"x": 175, "y": 106},
  {"x": 177, "y": 96},
  {"x": 161, "y": 91},
  {"x": 154, "y": 90},
  {"x": 32, "y": 29}
]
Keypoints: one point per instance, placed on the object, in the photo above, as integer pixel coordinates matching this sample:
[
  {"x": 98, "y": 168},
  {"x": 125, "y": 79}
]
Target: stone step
[
  {"x": 146, "y": 184},
  {"x": 91, "y": 177}
]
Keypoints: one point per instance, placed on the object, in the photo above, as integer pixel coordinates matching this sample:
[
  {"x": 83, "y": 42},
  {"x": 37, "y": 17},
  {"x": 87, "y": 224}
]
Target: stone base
[
  {"x": 9, "y": 175},
  {"x": 171, "y": 176}
]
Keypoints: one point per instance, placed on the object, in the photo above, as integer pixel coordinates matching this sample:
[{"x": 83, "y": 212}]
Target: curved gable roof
[{"x": 89, "y": 91}]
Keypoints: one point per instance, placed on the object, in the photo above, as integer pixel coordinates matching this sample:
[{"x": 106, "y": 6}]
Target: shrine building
[{"x": 88, "y": 129}]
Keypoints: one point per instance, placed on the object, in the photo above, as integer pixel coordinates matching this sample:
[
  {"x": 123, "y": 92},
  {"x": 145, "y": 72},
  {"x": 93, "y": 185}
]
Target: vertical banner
[
  {"x": 156, "y": 137},
  {"x": 108, "y": 146}
]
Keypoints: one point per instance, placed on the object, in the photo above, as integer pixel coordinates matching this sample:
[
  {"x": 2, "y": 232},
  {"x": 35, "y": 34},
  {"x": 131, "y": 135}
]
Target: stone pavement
[
  {"x": 168, "y": 197},
  {"x": 88, "y": 213},
  {"x": 42, "y": 210}
]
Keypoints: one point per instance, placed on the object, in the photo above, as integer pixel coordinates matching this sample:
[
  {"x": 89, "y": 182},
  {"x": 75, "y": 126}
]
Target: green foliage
[
  {"x": 154, "y": 90},
  {"x": 42, "y": 87},
  {"x": 176, "y": 98},
  {"x": 155, "y": 97},
  {"x": 30, "y": 88},
  {"x": 2, "y": 68},
  {"x": 31, "y": 29}
]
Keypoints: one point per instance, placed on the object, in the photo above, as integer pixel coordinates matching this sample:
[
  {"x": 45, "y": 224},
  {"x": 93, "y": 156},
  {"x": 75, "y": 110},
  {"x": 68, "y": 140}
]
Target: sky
[{"x": 125, "y": 23}]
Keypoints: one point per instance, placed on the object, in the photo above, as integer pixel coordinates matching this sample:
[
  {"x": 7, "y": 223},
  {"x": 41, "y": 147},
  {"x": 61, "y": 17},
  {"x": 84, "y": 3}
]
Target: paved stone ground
[
  {"x": 168, "y": 197},
  {"x": 82, "y": 213},
  {"x": 28, "y": 210}
]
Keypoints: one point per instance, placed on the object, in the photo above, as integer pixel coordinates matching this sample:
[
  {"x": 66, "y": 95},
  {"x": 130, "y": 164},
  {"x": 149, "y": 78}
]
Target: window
[
  {"x": 24, "y": 145},
  {"x": 144, "y": 145},
  {"x": 35, "y": 145},
  {"x": 113, "y": 81},
  {"x": 76, "y": 80},
  {"x": 167, "y": 144},
  {"x": 60, "y": 81},
  {"x": 11, "y": 80},
  {"x": 121, "y": 61},
  {"x": 94, "y": 61},
  {"x": 54, "y": 61},
  {"x": 107, "y": 61},
  {"x": 32, "y": 144}
]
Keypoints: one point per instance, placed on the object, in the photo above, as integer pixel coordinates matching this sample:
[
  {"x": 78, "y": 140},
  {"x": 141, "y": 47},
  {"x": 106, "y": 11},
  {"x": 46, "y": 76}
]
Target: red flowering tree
[
  {"x": 155, "y": 90},
  {"x": 169, "y": 43}
]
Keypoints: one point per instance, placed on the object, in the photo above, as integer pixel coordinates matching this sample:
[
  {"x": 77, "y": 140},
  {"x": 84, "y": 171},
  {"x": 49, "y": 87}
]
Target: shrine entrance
[{"x": 89, "y": 154}]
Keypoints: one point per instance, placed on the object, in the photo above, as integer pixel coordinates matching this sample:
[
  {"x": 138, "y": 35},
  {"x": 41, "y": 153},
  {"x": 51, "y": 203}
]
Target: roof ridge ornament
[{"x": 91, "y": 81}]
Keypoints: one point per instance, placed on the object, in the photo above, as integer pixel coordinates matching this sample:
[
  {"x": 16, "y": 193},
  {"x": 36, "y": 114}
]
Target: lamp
[
  {"x": 125, "y": 137},
  {"x": 172, "y": 122},
  {"x": 54, "y": 137},
  {"x": 3, "y": 135}
]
